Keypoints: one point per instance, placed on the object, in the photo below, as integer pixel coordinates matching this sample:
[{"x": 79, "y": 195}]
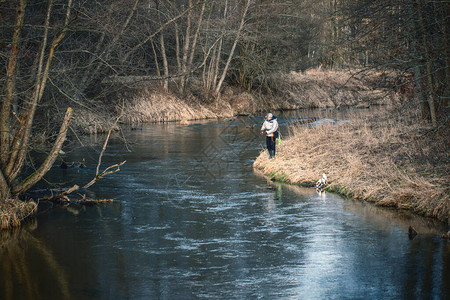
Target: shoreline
[
  {"x": 146, "y": 103},
  {"x": 378, "y": 160}
]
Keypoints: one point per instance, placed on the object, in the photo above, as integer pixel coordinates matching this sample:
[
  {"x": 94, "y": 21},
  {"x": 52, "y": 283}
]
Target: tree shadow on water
[{"x": 26, "y": 263}]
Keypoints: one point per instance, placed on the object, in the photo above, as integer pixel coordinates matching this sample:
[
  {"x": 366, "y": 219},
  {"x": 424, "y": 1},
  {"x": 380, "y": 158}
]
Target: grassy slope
[
  {"x": 329, "y": 89},
  {"x": 388, "y": 158}
]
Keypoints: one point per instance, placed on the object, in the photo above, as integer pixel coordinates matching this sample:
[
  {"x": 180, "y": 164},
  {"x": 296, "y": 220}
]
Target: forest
[{"x": 65, "y": 62}]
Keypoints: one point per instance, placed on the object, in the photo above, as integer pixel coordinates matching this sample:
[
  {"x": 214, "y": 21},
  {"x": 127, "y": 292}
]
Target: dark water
[{"x": 193, "y": 220}]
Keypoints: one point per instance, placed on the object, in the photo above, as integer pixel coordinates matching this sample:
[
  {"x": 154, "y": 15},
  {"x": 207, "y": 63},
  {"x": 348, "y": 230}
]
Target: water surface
[{"x": 193, "y": 220}]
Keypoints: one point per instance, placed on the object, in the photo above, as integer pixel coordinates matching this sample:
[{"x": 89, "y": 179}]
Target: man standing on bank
[{"x": 269, "y": 129}]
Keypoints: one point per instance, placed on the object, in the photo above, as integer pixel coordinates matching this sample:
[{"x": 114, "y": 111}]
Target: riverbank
[
  {"x": 147, "y": 102},
  {"x": 389, "y": 158}
]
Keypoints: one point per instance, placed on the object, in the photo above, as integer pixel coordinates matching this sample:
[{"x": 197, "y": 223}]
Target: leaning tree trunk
[
  {"x": 48, "y": 162},
  {"x": 230, "y": 57},
  {"x": 23, "y": 134},
  {"x": 13, "y": 161},
  {"x": 155, "y": 55},
  {"x": 195, "y": 38}
]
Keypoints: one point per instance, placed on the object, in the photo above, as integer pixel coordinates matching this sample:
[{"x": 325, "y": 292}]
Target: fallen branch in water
[
  {"x": 66, "y": 201},
  {"x": 90, "y": 202},
  {"x": 63, "y": 199},
  {"x": 107, "y": 171},
  {"x": 63, "y": 195}
]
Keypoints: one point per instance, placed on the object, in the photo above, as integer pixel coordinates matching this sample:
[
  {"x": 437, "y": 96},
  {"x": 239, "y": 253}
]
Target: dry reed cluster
[
  {"x": 147, "y": 102},
  {"x": 388, "y": 158},
  {"x": 13, "y": 212},
  {"x": 148, "y": 106},
  {"x": 91, "y": 121}
]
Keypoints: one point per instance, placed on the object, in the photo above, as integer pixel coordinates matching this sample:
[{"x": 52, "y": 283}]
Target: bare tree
[
  {"x": 13, "y": 152},
  {"x": 230, "y": 56},
  {"x": 407, "y": 36}
]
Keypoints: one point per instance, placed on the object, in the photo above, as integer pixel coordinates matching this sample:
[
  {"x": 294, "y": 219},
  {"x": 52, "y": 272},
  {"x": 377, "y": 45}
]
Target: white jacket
[{"x": 270, "y": 126}]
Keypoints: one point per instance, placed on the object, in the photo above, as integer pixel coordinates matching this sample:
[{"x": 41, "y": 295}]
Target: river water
[{"x": 191, "y": 220}]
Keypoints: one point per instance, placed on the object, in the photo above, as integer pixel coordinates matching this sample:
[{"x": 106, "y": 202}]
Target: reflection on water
[
  {"x": 28, "y": 266},
  {"x": 193, "y": 220}
]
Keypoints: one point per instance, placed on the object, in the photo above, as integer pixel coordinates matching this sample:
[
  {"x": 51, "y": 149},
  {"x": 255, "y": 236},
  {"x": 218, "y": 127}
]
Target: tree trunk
[
  {"x": 216, "y": 68},
  {"x": 163, "y": 51},
  {"x": 165, "y": 64},
  {"x": 5, "y": 192},
  {"x": 208, "y": 71},
  {"x": 96, "y": 69},
  {"x": 418, "y": 80},
  {"x": 230, "y": 57},
  {"x": 428, "y": 60},
  {"x": 20, "y": 143},
  {"x": 177, "y": 48},
  {"x": 446, "y": 48},
  {"x": 51, "y": 157},
  {"x": 194, "y": 41},
  {"x": 219, "y": 53},
  {"x": 158, "y": 72},
  {"x": 10, "y": 90},
  {"x": 19, "y": 139},
  {"x": 186, "y": 42},
  {"x": 15, "y": 164}
]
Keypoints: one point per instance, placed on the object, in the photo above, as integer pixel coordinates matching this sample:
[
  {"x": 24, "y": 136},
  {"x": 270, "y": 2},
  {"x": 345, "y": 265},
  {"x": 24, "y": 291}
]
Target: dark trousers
[{"x": 270, "y": 142}]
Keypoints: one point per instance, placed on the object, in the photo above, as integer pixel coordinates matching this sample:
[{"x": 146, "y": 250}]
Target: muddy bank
[{"x": 389, "y": 158}]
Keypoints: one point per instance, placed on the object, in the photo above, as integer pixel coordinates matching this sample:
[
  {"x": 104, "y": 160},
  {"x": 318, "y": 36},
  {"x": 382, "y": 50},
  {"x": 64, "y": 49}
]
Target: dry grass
[
  {"x": 13, "y": 212},
  {"x": 147, "y": 106},
  {"x": 316, "y": 88},
  {"x": 150, "y": 104},
  {"x": 90, "y": 121},
  {"x": 390, "y": 159},
  {"x": 147, "y": 102}
]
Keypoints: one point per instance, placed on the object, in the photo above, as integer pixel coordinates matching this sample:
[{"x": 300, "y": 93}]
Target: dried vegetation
[
  {"x": 315, "y": 88},
  {"x": 147, "y": 102},
  {"x": 388, "y": 158},
  {"x": 13, "y": 212},
  {"x": 150, "y": 106}
]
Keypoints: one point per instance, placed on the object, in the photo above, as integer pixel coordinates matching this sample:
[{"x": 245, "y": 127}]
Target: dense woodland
[{"x": 58, "y": 54}]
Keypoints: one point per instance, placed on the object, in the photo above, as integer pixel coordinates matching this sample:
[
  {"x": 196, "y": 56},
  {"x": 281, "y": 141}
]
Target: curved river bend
[{"x": 193, "y": 220}]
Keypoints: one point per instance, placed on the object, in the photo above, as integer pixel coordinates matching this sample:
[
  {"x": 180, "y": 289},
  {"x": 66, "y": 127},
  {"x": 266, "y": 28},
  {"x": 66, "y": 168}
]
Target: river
[{"x": 192, "y": 220}]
